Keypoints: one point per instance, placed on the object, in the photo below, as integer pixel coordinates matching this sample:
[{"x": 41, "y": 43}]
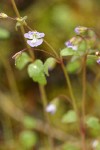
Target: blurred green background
[{"x": 22, "y": 123}]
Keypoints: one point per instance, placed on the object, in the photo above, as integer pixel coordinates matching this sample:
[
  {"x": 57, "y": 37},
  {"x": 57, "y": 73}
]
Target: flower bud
[
  {"x": 73, "y": 43},
  {"x": 3, "y": 15},
  {"x": 80, "y": 29},
  {"x": 97, "y": 53},
  {"x": 52, "y": 106}
]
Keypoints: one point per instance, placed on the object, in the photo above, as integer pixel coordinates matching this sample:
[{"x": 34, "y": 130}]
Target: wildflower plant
[{"x": 79, "y": 48}]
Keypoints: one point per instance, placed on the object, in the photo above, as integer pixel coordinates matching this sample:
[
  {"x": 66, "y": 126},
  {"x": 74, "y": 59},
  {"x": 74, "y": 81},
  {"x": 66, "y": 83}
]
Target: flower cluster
[{"x": 34, "y": 38}]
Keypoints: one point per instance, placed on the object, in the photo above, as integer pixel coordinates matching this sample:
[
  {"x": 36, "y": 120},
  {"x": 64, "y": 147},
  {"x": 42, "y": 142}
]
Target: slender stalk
[
  {"x": 82, "y": 125},
  {"x": 44, "y": 101},
  {"x": 84, "y": 86},
  {"x": 42, "y": 90},
  {"x": 70, "y": 87},
  {"x": 51, "y": 49},
  {"x": 80, "y": 122},
  {"x": 22, "y": 29}
]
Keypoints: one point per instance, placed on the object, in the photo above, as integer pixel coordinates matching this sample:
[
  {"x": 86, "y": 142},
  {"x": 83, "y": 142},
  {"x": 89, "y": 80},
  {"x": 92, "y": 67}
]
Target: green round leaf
[
  {"x": 49, "y": 65},
  {"x": 36, "y": 72},
  {"x": 69, "y": 117},
  {"x": 21, "y": 60},
  {"x": 67, "y": 52},
  {"x": 29, "y": 122},
  {"x": 28, "y": 139},
  {"x": 4, "y": 34},
  {"x": 93, "y": 122},
  {"x": 73, "y": 66}
]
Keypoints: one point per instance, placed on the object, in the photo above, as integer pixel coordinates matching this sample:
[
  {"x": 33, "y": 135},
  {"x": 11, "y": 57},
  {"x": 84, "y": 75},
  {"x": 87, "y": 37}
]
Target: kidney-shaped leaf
[
  {"x": 93, "y": 122},
  {"x": 69, "y": 117},
  {"x": 49, "y": 65},
  {"x": 67, "y": 52},
  {"x": 21, "y": 60},
  {"x": 36, "y": 72}
]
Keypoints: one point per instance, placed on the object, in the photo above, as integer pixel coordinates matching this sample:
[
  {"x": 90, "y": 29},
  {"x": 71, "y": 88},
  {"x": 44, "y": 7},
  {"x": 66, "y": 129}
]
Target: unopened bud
[
  {"x": 97, "y": 53},
  {"x": 80, "y": 29},
  {"x": 3, "y": 15}
]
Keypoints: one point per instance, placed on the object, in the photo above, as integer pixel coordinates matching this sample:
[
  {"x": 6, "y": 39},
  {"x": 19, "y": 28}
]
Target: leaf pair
[{"x": 36, "y": 70}]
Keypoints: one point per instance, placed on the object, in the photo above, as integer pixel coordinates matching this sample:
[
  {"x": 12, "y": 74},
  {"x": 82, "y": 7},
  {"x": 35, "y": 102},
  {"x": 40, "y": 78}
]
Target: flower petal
[
  {"x": 51, "y": 108},
  {"x": 40, "y": 35},
  {"x": 37, "y": 43},
  {"x": 98, "y": 61},
  {"x": 29, "y": 35}
]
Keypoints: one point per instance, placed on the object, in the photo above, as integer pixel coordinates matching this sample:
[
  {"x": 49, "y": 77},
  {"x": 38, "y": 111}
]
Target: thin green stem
[
  {"x": 70, "y": 87},
  {"x": 84, "y": 86},
  {"x": 22, "y": 29},
  {"x": 80, "y": 121},
  {"x": 82, "y": 127},
  {"x": 44, "y": 101},
  {"x": 54, "y": 51},
  {"x": 42, "y": 89}
]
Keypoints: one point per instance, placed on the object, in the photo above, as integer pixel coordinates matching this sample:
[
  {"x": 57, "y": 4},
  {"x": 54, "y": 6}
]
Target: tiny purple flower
[
  {"x": 51, "y": 108},
  {"x": 98, "y": 61},
  {"x": 70, "y": 45},
  {"x": 35, "y": 38},
  {"x": 80, "y": 29}
]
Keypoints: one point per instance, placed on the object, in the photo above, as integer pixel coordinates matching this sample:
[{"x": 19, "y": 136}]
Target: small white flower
[
  {"x": 51, "y": 108},
  {"x": 34, "y": 38}
]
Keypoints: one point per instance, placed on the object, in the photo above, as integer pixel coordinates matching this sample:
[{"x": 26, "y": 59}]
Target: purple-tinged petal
[
  {"x": 77, "y": 30},
  {"x": 74, "y": 47},
  {"x": 51, "y": 108},
  {"x": 98, "y": 61},
  {"x": 80, "y": 29},
  {"x": 35, "y": 44},
  {"x": 68, "y": 44},
  {"x": 40, "y": 35},
  {"x": 28, "y": 35}
]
